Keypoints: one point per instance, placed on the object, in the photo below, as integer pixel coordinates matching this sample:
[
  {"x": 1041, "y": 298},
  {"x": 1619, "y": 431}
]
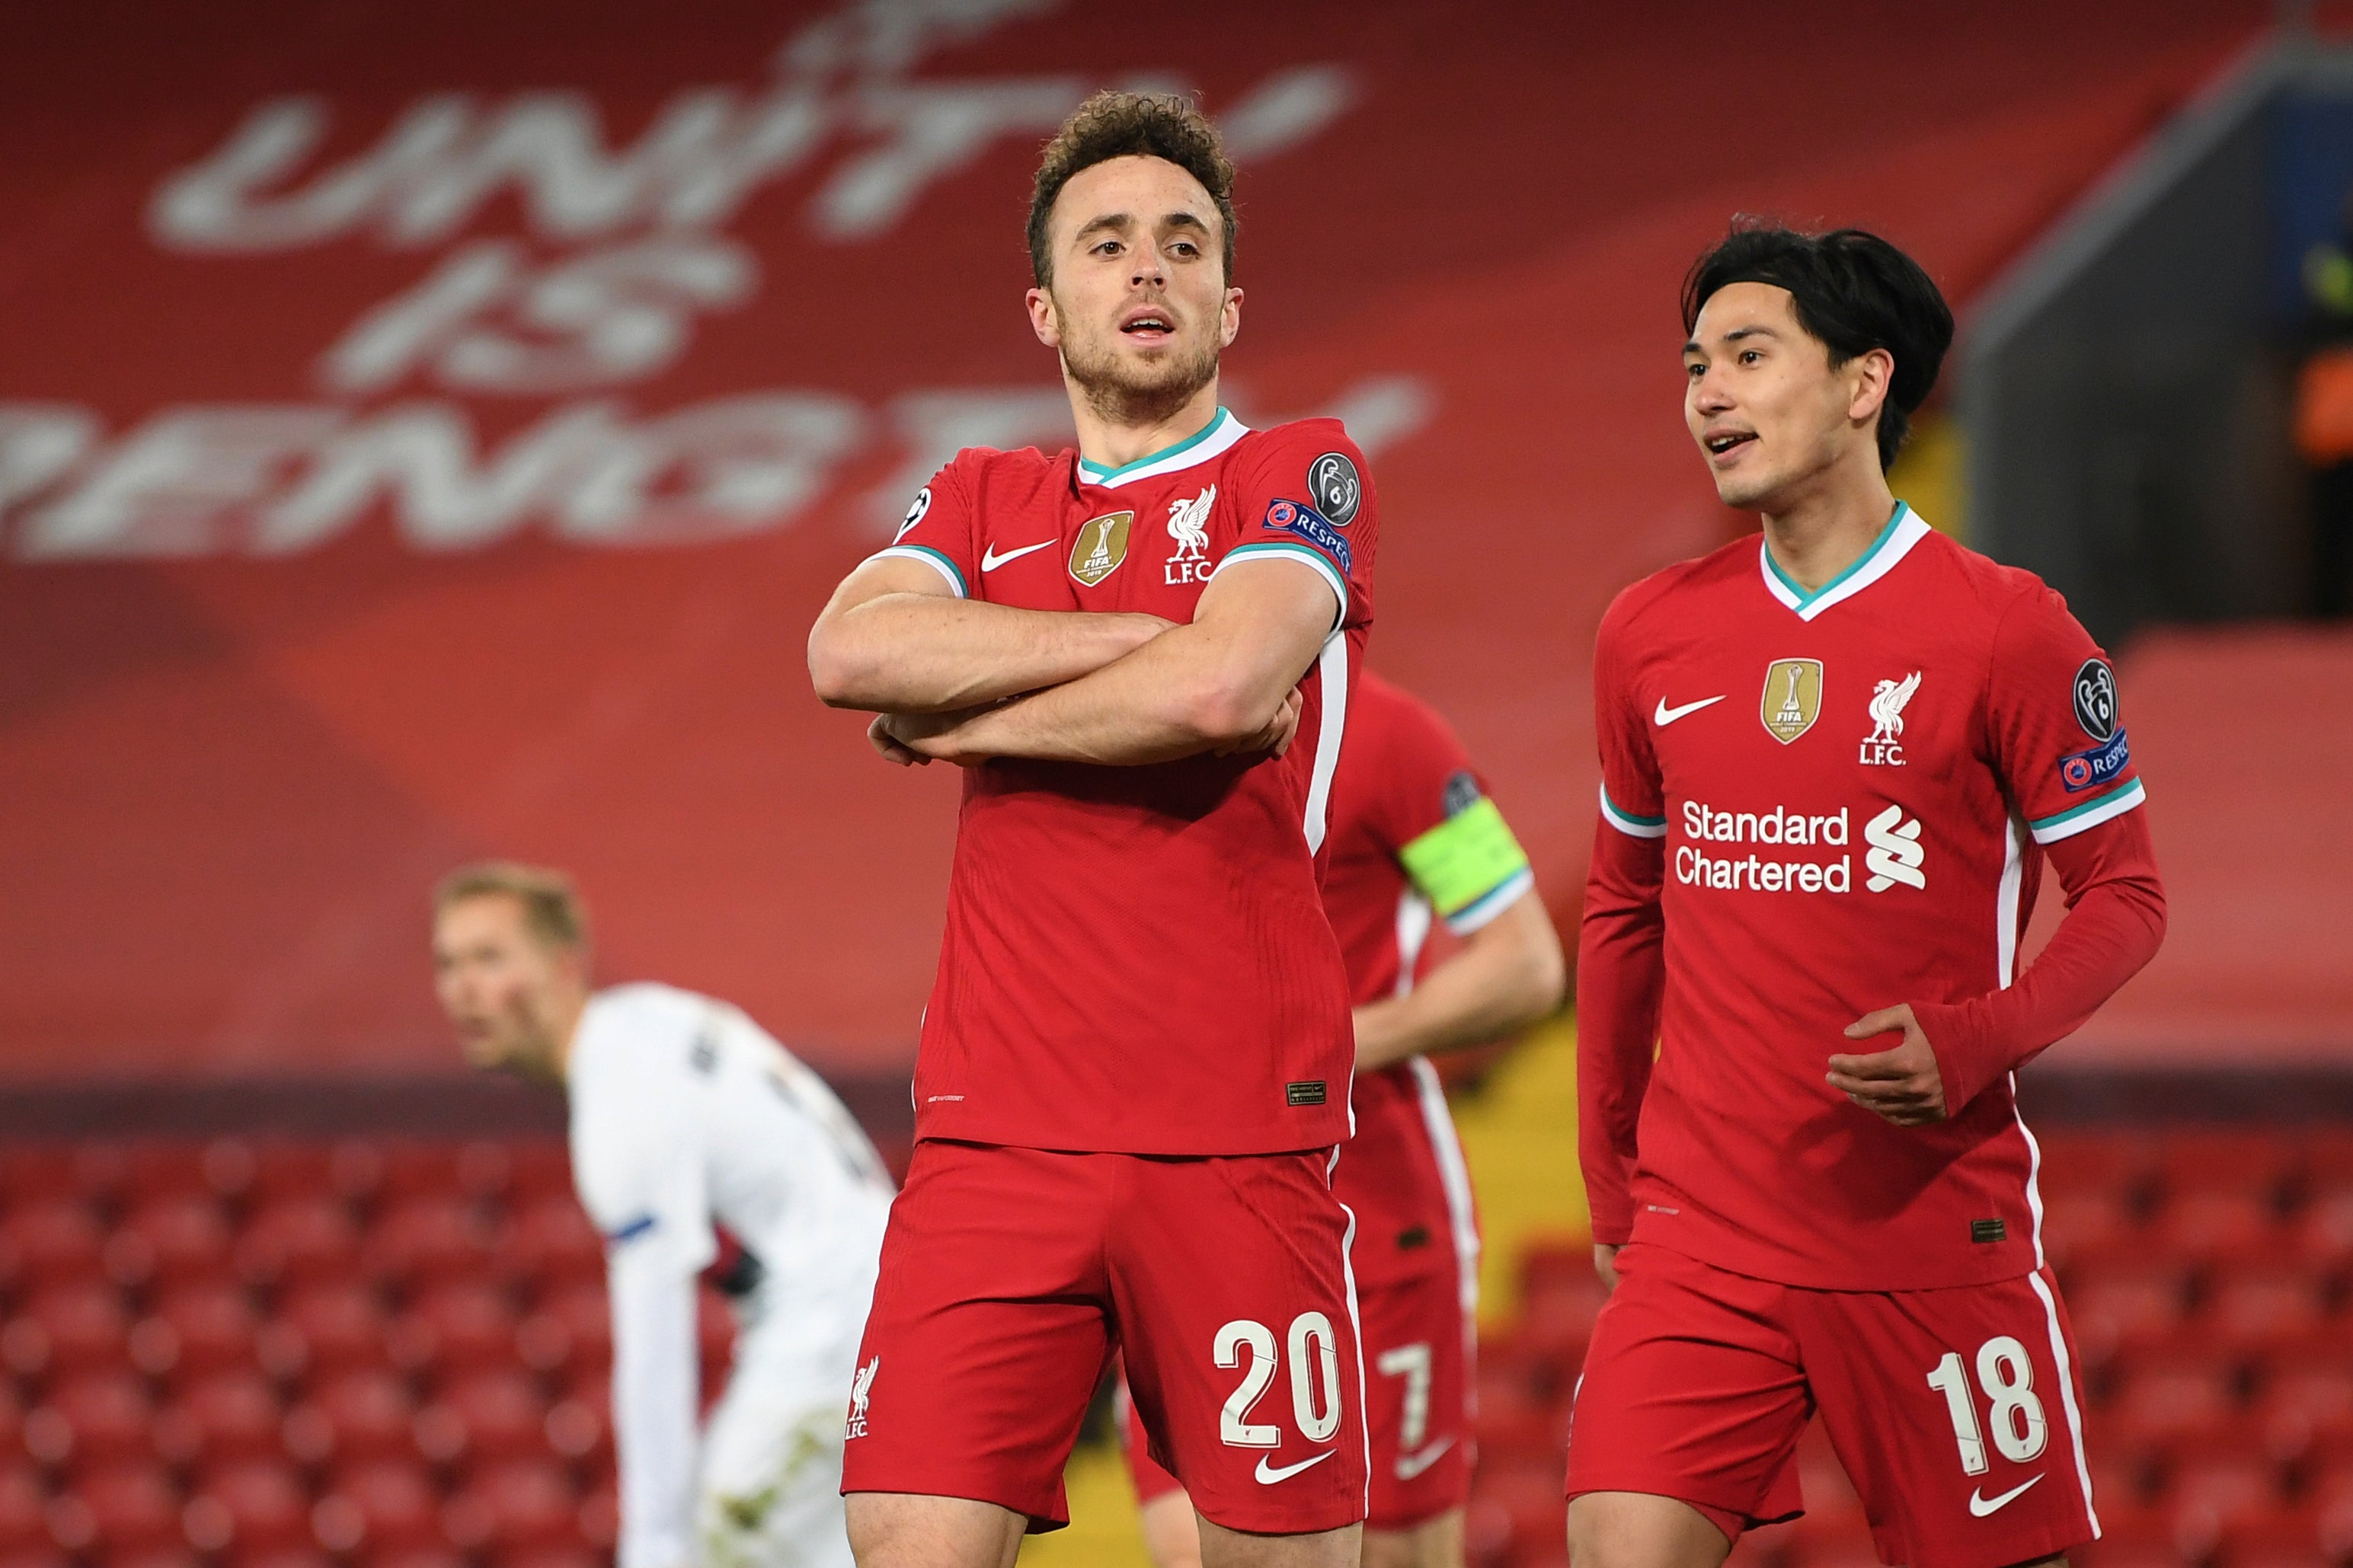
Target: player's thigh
[
  {"x": 1692, "y": 1390},
  {"x": 1958, "y": 1417},
  {"x": 1172, "y": 1534},
  {"x": 1417, "y": 1399},
  {"x": 1642, "y": 1530},
  {"x": 988, "y": 1330},
  {"x": 1223, "y": 1548},
  {"x": 1435, "y": 1542},
  {"x": 1237, "y": 1320},
  {"x": 899, "y": 1530}
]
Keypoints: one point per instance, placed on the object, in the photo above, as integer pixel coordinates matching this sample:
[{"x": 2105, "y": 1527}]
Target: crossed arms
[{"x": 960, "y": 682}]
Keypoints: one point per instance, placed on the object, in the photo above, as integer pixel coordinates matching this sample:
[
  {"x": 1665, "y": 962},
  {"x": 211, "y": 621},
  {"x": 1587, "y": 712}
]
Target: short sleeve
[
  {"x": 1451, "y": 840},
  {"x": 1304, "y": 491},
  {"x": 2056, "y": 728},
  {"x": 1632, "y": 800},
  {"x": 938, "y": 532}
]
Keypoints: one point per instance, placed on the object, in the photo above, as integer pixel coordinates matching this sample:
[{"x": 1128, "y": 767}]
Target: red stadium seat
[
  {"x": 24, "y": 1510},
  {"x": 2088, "y": 1226},
  {"x": 172, "y": 1239},
  {"x": 105, "y": 1417},
  {"x": 2123, "y": 1163},
  {"x": 426, "y": 1240},
  {"x": 1523, "y": 1499},
  {"x": 571, "y": 1554},
  {"x": 54, "y": 1240},
  {"x": 600, "y": 1515},
  {"x": 576, "y": 1432},
  {"x": 2289, "y": 1538},
  {"x": 543, "y": 1343},
  {"x": 2173, "y": 1401},
  {"x": 468, "y": 1324},
  {"x": 2210, "y": 1493},
  {"x": 517, "y": 1505},
  {"x": 288, "y": 1170},
  {"x": 162, "y": 1167},
  {"x": 338, "y": 1326},
  {"x": 119, "y": 1507},
  {"x": 2303, "y": 1403},
  {"x": 2224, "y": 1224},
  {"x": 12, "y": 1420},
  {"x": 2322, "y": 1229},
  {"x": 31, "y": 1171},
  {"x": 417, "y": 1168},
  {"x": 2258, "y": 1307},
  {"x": 586, "y": 1317},
  {"x": 2256, "y": 1161},
  {"x": 248, "y": 1509},
  {"x": 355, "y": 1168},
  {"x": 538, "y": 1169},
  {"x": 551, "y": 1240},
  {"x": 387, "y": 1506},
  {"x": 485, "y": 1417},
  {"x": 232, "y": 1414},
  {"x": 299, "y": 1240},
  {"x": 485, "y": 1169},
  {"x": 416, "y": 1557},
  {"x": 72, "y": 1327},
  {"x": 2126, "y": 1307},
  {"x": 211, "y": 1328},
  {"x": 1557, "y": 1313},
  {"x": 356, "y": 1417}
]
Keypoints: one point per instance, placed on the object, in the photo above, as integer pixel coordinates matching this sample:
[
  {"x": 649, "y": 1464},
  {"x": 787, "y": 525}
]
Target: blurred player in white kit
[{"x": 687, "y": 1116}]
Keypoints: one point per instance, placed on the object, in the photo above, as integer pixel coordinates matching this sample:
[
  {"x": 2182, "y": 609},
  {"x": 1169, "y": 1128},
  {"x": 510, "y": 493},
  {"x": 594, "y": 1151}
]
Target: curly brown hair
[{"x": 1129, "y": 124}]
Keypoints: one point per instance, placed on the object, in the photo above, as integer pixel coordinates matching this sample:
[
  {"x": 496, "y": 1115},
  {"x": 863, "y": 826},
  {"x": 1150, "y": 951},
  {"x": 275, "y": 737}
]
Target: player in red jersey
[
  {"x": 1132, "y": 1076},
  {"x": 1414, "y": 837},
  {"x": 1833, "y": 762}
]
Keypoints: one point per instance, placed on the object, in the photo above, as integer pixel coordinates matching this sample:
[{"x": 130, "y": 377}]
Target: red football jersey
[
  {"x": 1405, "y": 782},
  {"x": 1135, "y": 958},
  {"x": 1850, "y": 786}
]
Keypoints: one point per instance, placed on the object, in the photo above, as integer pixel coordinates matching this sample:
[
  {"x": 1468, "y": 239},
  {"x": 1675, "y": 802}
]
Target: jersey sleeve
[
  {"x": 938, "y": 532},
  {"x": 1453, "y": 843},
  {"x": 2057, "y": 733},
  {"x": 1620, "y": 964},
  {"x": 1305, "y": 494},
  {"x": 1632, "y": 797}
]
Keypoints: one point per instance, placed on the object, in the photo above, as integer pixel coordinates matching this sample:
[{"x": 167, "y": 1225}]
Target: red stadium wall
[{"x": 428, "y": 431}]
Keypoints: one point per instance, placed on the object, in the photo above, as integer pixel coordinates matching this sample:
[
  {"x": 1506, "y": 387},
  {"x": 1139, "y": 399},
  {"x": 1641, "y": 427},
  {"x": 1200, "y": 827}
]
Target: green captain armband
[{"x": 1469, "y": 866}]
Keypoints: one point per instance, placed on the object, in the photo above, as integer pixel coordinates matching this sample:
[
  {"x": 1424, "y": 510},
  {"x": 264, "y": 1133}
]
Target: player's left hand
[
  {"x": 1901, "y": 1085},
  {"x": 912, "y": 740}
]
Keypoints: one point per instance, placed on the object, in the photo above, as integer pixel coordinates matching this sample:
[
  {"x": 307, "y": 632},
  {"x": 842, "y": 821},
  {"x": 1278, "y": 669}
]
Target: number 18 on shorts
[{"x": 1955, "y": 1412}]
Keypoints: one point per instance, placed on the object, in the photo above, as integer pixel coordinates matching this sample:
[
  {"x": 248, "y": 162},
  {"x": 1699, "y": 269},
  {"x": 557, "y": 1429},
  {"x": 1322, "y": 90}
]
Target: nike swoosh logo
[
  {"x": 990, "y": 560},
  {"x": 1981, "y": 1506},
  {"x": 1408, "y": 1466},
  {"x": 1666, "y": 715},
  {"x": 1266, "y": 1477}
]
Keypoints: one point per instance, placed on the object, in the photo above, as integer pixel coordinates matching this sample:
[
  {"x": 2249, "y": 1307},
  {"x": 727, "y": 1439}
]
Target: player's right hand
[
  {"x": 1605, "y": 1263},
  {"x": 1276, "y": 738}
]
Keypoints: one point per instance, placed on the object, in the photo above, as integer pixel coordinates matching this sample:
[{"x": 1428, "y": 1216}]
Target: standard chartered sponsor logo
[{"x": 1895, "y": 854}]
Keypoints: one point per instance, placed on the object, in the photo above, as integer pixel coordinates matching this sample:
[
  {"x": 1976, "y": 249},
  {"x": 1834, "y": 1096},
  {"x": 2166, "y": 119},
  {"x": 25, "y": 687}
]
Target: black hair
[{"x": 1853, "y": 292}]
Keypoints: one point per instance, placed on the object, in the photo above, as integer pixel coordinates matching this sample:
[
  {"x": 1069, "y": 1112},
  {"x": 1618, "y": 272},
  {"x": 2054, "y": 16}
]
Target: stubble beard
[{"x": 1121, "y": 392}]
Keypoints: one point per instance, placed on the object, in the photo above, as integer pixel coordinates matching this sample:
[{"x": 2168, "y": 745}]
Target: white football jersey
[{"x": 688, "y": 1117}]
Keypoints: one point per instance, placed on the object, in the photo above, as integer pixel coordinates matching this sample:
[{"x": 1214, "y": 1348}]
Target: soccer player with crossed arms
[
  {"x": 1835, "y": 763},
  {"x": 1133, "y": 1077},
  {"x": 1414, "y": 838}
]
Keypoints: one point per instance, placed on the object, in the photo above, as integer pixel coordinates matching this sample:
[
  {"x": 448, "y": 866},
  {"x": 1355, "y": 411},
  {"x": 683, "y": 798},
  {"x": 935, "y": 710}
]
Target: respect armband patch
[
  {"x": 2091, "y": 769},
  {"x": 1467, "y": 858},
  {"x": 1304, "y": 522}
]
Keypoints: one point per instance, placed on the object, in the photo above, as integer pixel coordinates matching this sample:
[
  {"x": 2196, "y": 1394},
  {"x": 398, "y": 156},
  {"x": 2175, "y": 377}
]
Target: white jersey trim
[
  {"x": 2005, "y": 904},
  {"x": 2059, "y": 1359},
  {"x": 1903, "y": 530},
  {"x": 1356, "y": 1319},
  {"x": 1215, "y": 439},
  {"x": 1331, "y": 669},
  {"x": 1626, "y": 822},
  {"x": 929, "y": 557},
  {"x": 1454, "y": 1175},
  {"x": 2091, "y": 814}
]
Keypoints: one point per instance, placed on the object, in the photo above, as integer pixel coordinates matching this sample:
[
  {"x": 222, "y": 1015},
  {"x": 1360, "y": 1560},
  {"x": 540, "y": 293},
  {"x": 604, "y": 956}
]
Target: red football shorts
[
  {"x": 1010, "y": 1275},
  {"x": 1418, "y": 1382},
  {"x": 1956, "y": 1412}
]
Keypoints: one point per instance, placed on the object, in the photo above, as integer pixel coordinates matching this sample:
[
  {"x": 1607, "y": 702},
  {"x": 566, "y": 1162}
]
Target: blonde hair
[{"x": 550, "y": 905}]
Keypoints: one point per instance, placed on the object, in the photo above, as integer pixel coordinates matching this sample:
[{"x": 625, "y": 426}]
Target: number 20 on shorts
[
  {"x": 2015, "y": 1416},
  {"x": 1314, "y": 1380}
]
